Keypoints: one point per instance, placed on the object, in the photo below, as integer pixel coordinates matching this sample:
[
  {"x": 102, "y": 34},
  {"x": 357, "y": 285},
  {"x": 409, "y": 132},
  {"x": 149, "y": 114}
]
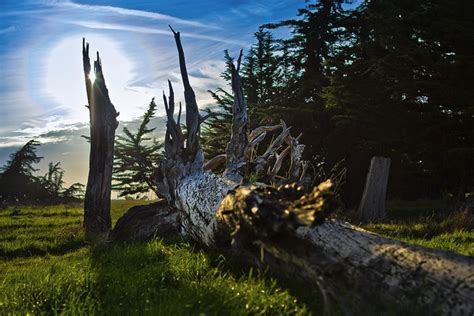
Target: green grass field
[
  {"x": 46, "y": 267},
  {"x": 427, "y": 223}
]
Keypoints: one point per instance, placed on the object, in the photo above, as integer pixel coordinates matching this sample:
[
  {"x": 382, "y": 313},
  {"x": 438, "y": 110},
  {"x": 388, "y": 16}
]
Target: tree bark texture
[
  {"x": 103, "y": 122},
  {"x": 372, "y": 204}
]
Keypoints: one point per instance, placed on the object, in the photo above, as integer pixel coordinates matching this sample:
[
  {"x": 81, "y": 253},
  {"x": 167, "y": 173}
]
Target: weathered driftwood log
[
  {"x": 283, "y": 227},
  {"x": 372, "y": 204},
  {"x": 361, "y": 272},
  {"x": 103, "y": 122}
]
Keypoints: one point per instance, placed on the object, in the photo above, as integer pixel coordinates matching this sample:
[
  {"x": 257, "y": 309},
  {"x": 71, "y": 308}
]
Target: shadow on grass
[
  {"x": 298, "y": 288},
  {"x": 43, "y": 214},
  {"x": 37, "y": 251},
  {"x": 39, "y": 226},
  {"x": 175, "y": 278}
]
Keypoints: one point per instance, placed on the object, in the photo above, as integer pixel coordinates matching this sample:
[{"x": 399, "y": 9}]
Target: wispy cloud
[
  {"x": 17, "y": 141},
  {"x": 42, "y": 92},
  {"x": 149, "y": 30},
  {"x": 50, "y": 125},
  {"x": 7, "y": 30},
  {"x": 131, "y": 13},
  {"x": 253, "y": 8}
]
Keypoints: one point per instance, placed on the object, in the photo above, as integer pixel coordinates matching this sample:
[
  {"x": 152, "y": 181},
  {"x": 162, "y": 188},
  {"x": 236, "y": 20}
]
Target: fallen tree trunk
[
  {"x": 378, "y": 272},
  {"x": 283, "y": 226},
  {"x": 356, "y": 270}
]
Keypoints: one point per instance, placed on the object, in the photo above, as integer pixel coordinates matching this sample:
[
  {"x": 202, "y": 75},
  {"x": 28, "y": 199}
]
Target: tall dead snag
[
  {"x": 235, "y": 151},
  {"x": 284, "y": 227},
  {"x": 192, "y": 112},
  {"x": 372, "y": 204},
  {"x": 103, "y": 122}
]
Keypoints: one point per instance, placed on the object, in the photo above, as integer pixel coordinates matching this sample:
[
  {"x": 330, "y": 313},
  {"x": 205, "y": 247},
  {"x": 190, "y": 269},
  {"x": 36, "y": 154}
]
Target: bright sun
[
  {"x": 92, "y": 76},
  {"x": 64, "y": 78}
]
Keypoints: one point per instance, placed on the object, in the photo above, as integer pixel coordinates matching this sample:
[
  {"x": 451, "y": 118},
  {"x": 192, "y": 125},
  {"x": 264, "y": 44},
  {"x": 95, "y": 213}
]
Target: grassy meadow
[
  {"x": 46, "y": 267},
  {"x": 428, "y": 223}
]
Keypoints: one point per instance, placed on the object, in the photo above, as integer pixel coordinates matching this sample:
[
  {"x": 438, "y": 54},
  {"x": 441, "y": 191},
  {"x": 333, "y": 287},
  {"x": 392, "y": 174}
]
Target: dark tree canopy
[
  {"x": 381, "y": 78},
  {"x": 17, "y": 180},
  {"x": 21, "y": 161}
]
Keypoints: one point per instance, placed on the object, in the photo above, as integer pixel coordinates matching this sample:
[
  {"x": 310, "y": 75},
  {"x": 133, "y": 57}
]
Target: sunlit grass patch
[
  {"x": 50, "y": 284},
  {"x": 173, "y": 278},
  {"x": 29, "y": 232},
  {"x": 430, "y": 226},
  {"x": 47, "y": 268}
]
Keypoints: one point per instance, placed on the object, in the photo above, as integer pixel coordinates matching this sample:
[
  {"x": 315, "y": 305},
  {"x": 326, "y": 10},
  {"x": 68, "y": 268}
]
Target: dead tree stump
[
  {"x": 372, "y": 204},
  {"x": 103, "y": 122}
]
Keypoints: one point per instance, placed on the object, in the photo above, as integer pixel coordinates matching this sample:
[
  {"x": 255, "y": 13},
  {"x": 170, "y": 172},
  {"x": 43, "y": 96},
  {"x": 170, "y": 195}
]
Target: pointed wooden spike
[
  {"x": 171, "y": 97},
  {"x": 179, "y": 113},
  {"x": 192, "y": 112},
  {"x": 172, "y": 30},
  {"x": 239, "y": 60},
  {"x": 165, "y": 101}
]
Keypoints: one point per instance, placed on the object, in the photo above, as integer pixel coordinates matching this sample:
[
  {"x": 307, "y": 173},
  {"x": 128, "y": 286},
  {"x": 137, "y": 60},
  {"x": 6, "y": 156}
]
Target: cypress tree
[
  {"x": 137, "y": 158},
  {"x": 17, "y": 181}
]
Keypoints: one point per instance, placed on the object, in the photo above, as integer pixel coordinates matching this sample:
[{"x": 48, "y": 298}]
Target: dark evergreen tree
[
  {"x": 390, "y": 78},
  {"x": 74, "y": 192},
  {"x": 137, "y": 158},
  {"x": 22, "y": 161},
  {"x": 216, "y": 130},
  {"x": 17, "y": 181},
  {"x": 313, "y": 36},
  {"x": 53, "y": 181},
  {"x": 398, "y": 90},
  {"x": 303, "y": 70},
  {"x": 262, "y": 78}
]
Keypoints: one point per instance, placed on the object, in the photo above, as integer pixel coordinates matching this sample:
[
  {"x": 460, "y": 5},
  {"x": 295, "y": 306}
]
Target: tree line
[
  {"x": 385, "y": 78},
  {"x": 19, "y": 184}
]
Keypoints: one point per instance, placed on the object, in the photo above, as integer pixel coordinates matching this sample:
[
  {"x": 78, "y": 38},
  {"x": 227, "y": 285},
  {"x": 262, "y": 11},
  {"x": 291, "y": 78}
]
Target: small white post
[{"x": 372, "y": 204}]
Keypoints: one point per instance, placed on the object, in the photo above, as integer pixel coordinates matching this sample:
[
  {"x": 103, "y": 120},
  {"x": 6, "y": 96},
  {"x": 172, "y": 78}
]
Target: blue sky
[{"x": 41, "y": 84}]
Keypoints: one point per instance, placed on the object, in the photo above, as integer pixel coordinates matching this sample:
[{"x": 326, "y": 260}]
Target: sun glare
[
  {"x": 64, "y": 76},
  {"x": 92, "y": 76}
]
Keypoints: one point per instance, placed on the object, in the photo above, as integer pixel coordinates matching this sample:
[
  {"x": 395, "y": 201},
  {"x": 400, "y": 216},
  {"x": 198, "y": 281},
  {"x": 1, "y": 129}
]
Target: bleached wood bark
[
  {"x": 357, "y": 271},
  {"x": 103, "y": 122},
  {"x": 369, "y": 269},
  {"x": 372, "y": 204},
  {"x": 285, "y": 229}
]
